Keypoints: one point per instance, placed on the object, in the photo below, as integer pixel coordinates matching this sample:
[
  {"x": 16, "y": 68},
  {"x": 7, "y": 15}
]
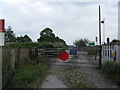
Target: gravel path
[
  {"x": 52, "y": 80},
  {"x": 92, "y": 74}
]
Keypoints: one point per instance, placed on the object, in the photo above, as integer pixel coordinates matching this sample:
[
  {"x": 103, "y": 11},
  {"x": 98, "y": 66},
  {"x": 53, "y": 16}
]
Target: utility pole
[
  {"x": 103, "y": 30},
  {"x": 96, "y": 40},
  {"x": 100, "y": 63}
]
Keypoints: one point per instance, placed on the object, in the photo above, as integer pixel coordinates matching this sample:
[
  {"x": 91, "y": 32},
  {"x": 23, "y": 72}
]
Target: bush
[
  {"x": 19, "y": 45},
  {"x": 7, "y": 77},
  {"x": 112, "y": 72},
  {"x": 43, "y": 44},
  {"x": 30, "y": 44}
]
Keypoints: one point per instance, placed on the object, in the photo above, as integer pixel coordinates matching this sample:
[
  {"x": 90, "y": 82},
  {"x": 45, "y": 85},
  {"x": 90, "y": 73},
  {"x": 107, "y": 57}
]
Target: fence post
[
  {"x": 118, "y": 54},
  {"x": 117, "y": 47},
  {"x": 109, "y": 52},
  {"x": 100, "y": 58},
  {"x": 103, "y": 54}
]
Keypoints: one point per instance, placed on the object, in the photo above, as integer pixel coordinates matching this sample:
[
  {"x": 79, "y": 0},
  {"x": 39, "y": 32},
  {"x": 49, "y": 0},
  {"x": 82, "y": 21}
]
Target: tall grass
[
  {"x": 29, "y": 75},
  {"x": 112, "y": 72}
]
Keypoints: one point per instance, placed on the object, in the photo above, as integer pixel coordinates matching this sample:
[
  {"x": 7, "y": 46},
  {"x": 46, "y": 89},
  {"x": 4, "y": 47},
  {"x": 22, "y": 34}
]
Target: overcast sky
[{"x": 68, "y": 20}]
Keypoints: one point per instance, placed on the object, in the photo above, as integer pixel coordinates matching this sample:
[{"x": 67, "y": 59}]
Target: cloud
[{"x": 69, "y": 21}]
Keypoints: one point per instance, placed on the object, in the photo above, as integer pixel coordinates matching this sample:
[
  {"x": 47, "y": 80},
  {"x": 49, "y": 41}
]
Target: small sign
[
  {"x": 113, "y": 54},
  {"x": 64, "y": 56}
]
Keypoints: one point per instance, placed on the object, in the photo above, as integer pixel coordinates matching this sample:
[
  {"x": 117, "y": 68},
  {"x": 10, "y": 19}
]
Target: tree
[
  {"x": 9, "y": 35},
  {"x": 23, "y": 39},
  {"x": 81, "y": 42},
  {"x": 114, "y": 41},
  {"x": 47, "y": 35}
]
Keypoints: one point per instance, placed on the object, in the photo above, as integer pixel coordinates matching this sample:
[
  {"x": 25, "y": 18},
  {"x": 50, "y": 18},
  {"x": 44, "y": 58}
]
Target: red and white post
[{"x": 2, "y": 32}]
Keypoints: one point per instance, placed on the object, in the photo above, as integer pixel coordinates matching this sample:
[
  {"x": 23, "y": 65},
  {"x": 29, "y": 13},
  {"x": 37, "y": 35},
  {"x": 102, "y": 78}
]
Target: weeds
[
  {"x": 112, "y": 72},
  {"x": 28, "y": 75}
]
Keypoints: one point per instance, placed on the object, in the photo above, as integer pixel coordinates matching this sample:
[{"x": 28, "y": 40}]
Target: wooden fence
[{"x": 11, "y": 57}]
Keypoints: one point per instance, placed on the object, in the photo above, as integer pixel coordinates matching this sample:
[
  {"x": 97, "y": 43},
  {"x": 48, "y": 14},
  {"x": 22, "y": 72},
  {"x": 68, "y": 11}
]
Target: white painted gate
[{"x": 107, "y": 53}]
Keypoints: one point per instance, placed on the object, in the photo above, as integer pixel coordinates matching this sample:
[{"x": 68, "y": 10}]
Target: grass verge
[
  {"x": 111, "y": 72},
  {"x": 27, "y": 76}
]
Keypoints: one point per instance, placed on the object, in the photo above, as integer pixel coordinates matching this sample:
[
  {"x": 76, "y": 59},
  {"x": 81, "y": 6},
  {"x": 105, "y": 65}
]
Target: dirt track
[{"x": 87, "y": 65}]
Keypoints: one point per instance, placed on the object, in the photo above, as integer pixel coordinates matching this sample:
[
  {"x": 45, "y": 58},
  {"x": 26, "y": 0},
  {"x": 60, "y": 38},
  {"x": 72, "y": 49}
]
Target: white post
[
  {"x": 103, "y": 54},
  {"x": 107, "y": 47}
]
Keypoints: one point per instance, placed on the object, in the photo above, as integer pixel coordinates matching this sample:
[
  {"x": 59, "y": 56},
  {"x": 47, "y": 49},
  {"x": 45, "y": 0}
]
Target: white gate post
[
  {"x": 118, "y": 54},
  {"x": 109, "y": 53}
]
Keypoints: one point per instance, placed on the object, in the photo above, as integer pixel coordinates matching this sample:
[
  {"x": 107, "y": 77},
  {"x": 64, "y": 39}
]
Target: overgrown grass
[
  {"x": 112, "y": 72},
  {"x": 26, "y": 76}
]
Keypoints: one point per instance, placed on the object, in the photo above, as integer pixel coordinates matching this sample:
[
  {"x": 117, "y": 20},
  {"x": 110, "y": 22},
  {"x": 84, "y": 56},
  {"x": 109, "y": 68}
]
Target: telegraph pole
[
  {"x": 103, "y": 29},
  {"x": 100, "y": 63}
]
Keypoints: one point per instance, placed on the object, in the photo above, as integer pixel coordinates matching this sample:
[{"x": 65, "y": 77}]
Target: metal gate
[
  {"x": 85, "y": 57},
  {"x": 110, "y": 53}
]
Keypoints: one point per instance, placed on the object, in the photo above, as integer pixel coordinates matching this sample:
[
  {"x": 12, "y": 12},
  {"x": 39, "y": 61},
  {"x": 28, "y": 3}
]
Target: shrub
[{"x": 43, "y": 44}]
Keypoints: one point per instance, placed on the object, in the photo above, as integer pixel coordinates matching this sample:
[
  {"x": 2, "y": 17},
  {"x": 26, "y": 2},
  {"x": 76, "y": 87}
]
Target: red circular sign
[{"x": 63, "y": 56}]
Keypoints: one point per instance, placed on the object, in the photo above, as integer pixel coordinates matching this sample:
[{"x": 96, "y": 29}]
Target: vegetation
[
  {"x": 31, "y": 72},
  {"x": 47, "y": 35},
  {"x": 112, "y": 72},
  {"x": 81, "y": 42},
  {"x": 35, "y": 45},
  {"x": 23, "y": 39},
  {"x": 28, "y": 75},
  {"x": 47, "y": 40},
  {"x": 114, "y": 42},
  {"x": 30, "y": 45},
  {"x": 10, "y": 37}
]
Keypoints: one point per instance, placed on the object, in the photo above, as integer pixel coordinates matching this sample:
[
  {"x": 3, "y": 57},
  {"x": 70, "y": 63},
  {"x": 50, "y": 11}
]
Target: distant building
[{"x": 91, "y": 43}]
